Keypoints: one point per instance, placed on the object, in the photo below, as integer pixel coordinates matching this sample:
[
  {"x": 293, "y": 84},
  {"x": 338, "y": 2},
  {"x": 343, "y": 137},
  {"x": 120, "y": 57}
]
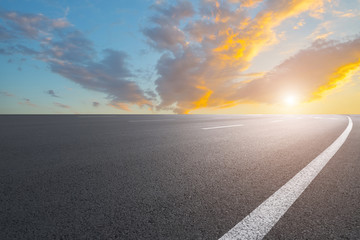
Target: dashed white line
[
  {"x": 227, "y": 126},
  {"x": 260, "y": 221}
]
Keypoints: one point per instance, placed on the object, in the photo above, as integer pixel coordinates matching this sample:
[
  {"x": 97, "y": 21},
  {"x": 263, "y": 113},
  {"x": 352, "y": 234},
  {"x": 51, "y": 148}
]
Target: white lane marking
[
  {"x": 151, "y": 120},
  {"x": 317, "y": 117},
  {"x": 277, "y": 121},
  {"x": 227, "y": 126},
  {"x": 260, "y": 221}
]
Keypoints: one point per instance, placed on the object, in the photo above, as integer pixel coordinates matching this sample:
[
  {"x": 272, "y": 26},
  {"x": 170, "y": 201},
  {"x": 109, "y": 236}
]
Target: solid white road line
[
  {"x": 227, "y": 126},
  {"x": 260, "y": 221}
]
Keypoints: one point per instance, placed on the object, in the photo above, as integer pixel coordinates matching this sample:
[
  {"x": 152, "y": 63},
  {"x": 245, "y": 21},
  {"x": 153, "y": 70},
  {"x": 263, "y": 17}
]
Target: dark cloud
[
  {"x": 70, "y": 54},
  {"x": 51, "y": 93},
  {"x": 109, "y": 76},
  {"x": 60, "y": 105}
]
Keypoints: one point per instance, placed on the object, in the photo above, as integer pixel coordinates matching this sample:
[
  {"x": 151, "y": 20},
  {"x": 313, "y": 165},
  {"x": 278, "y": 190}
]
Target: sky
[{"x": 181, "y": 57}]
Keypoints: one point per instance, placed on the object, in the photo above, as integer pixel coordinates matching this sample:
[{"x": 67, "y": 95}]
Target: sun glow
[{"x": 290, "y": 100}]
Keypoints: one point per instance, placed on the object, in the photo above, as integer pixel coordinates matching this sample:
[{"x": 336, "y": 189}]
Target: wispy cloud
[
  {"x": 322, "y": 31},
  {"x": 348, "y": 14},
  {"x": 5, "y": 34},
  {"x": 6, "y": 94},
  {"x": 32, "y": 26},
  {"x": 69, "y": 53},
  {"x": 324, "y": 36},
  {"x": 121, "y": 106},
  {"x": 299, "y": 24},
  {"x": 60, "y": 105},
  {"x": 247, "y": 3},
  {"x": 27, "y": 102}
]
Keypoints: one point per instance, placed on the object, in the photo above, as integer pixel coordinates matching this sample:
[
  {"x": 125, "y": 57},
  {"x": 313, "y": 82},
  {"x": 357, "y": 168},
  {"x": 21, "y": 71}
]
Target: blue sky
[{"x": 179, "y": 56}]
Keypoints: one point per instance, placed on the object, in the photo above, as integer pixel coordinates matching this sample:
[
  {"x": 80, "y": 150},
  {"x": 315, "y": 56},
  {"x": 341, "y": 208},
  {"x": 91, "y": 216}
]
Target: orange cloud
[
  {"x": 220, "y": 45},
  {"x": 348, "y": 14},
  {"x": 247, "y": 3},
  {"x": 324, "y": 36},
  {"x": 299, "y": 24},
  {"x": 337, "y": 79},
  {"x": 310, "y": 73},
  {"x": 121, "y": 106}
]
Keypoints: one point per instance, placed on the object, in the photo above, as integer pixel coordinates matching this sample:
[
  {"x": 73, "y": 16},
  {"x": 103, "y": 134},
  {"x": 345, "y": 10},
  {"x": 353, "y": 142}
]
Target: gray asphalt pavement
[{"x": 172, "y": 176}]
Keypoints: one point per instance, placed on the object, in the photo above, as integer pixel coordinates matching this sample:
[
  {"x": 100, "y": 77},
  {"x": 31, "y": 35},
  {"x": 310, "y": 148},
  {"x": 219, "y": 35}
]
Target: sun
[{"x": 290, "y": 100}]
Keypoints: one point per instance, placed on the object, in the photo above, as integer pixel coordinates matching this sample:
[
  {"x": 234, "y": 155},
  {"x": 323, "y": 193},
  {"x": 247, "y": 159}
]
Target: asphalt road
[{"x": 172, "y": 176}]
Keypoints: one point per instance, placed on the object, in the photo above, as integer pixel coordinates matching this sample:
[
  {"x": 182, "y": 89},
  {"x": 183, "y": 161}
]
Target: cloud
[
  {"x": 322, "y": 31},
  {"x": 121, "y": 106},
  {"x": 253, "y": 74},
  {"x": 167, "y": 34},
  {"x": 95, "y": 104},
  {"x": 32, "y": 26},
  {"x": 324, "y": 36},
  {"x": 5, "y": 34},
  {"x": 6, "y": 94},
  {"x": 51, "y": 93},
  {"x": 247, "y": 3},
  {"x": 309, "y": 74},
  {"x": 200, "y": 65},
  {"x": 70, "y": 54},
  {"x": 299, "y": 24},
  {"x": 27, "y": 102},
  {"x": 349, "y": 14},
  {"x": 19, "y": 49},
  {"x": 60, "y": 105},
  {"x": 109, "y": 76}
]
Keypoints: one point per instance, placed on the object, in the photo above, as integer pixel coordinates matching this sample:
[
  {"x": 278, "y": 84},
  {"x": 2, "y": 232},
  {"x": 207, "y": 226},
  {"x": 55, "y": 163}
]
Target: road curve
[{"x": 172, "y": 176}]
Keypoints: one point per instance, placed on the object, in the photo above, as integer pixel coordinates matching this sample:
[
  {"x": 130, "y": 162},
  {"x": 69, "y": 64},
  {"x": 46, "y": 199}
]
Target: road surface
[{"x": 173, "y": 176}]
